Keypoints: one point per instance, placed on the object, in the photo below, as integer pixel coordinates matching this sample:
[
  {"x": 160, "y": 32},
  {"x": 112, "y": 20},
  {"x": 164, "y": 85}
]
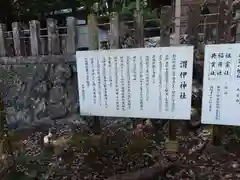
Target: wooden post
[
  {"x": 234, "y": 27},
  {"x": 216, "y": 129},
  {"x": 114, "y": 31},
  {"x": 71, "y": 35},
  {"x": 165, "y": 25},
  {"x": 35, "y": 37},
  {"x": 18, "y": 43},
  {"x": 193, "y": 24},
  {"x": 43, "y": 42},
  {"x": 230, "y": 11},
  {"x": 3, "y": 51},
  {"x": 177, "y": 21},
  {"x": 94, "y": 45},
  {"x": 53, "y": 37},
  {"x": 220, "y": 24},
  {"x": 93, "y": 38},
  {"x": 139, "y": 28}
]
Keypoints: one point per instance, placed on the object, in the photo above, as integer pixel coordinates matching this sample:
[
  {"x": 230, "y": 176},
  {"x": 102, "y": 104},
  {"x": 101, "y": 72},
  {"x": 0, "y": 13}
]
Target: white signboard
[
  {"x": 142, "y": 82},
  {"x": 221, "y": 86}
]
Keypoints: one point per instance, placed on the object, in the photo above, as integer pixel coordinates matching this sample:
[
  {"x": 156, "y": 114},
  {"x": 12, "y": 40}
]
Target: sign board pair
[{"x": 157, "y": 83}]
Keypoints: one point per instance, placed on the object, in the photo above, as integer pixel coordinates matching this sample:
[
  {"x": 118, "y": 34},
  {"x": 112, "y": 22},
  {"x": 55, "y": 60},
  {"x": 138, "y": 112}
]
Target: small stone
[
  {"x": 56, "y": 94},
  {"x": 235, "y": 165},
  {"x": 57, "y": 111}
]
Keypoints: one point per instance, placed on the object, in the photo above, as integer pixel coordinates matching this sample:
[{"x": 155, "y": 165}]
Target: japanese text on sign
[
  {"x": 143, "y": 82},
  {"x": 221, "y": 88}
]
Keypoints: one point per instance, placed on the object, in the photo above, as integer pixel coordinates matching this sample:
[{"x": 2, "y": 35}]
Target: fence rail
[{"x": 37, "y": 41}]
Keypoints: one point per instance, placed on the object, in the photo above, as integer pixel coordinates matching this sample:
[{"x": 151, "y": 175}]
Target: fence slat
[
  {"x": 165, "y": 25},
  {"x": 114, "y": 31},
  {"x": 18, "y": 43},
  {"x": 139, "y": 26},
  {"x": 35, "y": 37},
  {"x": 71, "y": 35},
  {"x": 230, "y": 19},
  {"x": 193, "y": 22},
  {"x": 217, "y": 129},
  {"x": 3, "y": 51},
  {"x": 220, "y": 24},
  {"x": 43, "y": 42},
  {"x": 93, "y": 35},
  {"x": 172, "y": 143},
  {"x": 53, "y": 37}
]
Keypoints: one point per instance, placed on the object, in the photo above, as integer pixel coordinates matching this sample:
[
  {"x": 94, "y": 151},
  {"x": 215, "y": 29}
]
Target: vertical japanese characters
[
  {"x": 129, "y": 94},
  {"x": 147, "y": 77},
  {"x": 141, "y": 82},
  {"x": 173, "y": 82},
  {"x": 93, "y": 81},
  {"x": 221, "y": 88},
  {"x": 183, "y": 76},
  {"x": 160, "y": 83},
  {"x": 116, "y": 83},
  {"x": 136, "y": 82},
  {"x": 105, "y": 87},
  {"x": 122, "y": 83},
  {"x": 110, "y": 71},
  {"x": 99, "y": 83},
  {"x": 220, "y": 65},
  {"x": 166, "y": 90},
  {"x": 238, "y": 68}
]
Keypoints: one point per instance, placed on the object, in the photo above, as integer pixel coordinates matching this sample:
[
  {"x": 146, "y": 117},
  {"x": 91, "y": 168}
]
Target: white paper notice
[
  {"x": 142, "y": 82},
  {"x": 221, "y": 86}
]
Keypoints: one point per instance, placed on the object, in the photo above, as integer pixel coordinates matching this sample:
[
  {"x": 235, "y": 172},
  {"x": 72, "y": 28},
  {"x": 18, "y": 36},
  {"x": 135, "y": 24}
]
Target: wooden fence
[{"x": 55, "y": 40}]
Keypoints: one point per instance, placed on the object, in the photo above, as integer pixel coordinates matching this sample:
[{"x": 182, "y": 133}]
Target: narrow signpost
[
  {"x": 172, "y": 144},
  {"x": 93, "y": 40},
  {"x": 221, "y": 26}
]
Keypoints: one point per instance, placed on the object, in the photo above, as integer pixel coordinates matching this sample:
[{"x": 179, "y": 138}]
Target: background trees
[{"x": 31, "y": 9}]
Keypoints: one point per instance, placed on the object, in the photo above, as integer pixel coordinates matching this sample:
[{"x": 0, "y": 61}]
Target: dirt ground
[{"x": 124, "y": 152}]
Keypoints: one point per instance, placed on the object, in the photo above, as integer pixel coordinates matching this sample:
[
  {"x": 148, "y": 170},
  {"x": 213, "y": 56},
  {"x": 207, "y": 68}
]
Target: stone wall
[
  {"x": 33, "y": 93},
  {"x": 42, "y": 93}
]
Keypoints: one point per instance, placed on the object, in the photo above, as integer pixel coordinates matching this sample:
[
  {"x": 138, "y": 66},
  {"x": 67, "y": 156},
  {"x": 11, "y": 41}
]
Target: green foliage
[{"x": 38, "y": 8}]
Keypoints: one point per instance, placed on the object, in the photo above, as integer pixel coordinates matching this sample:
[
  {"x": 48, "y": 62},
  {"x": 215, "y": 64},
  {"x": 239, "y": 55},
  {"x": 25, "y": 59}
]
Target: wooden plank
[
  {"x": 93, "y": 34},
  {"x": 48, "y": 59},
  {"x": 3, "y": 51},
  {"x": 17, "y": 41},
  {"x": 172, "y": 143},
  {"x": 43, "y": 42},
  {"x": 71, "y": 35},
  {"x": 177, "y": 21},
  {"x": 35, "y": 37},
  {"x": 229, "y": 24},
  {"x": 63, "y": 44},
  {"x": 139, "y": 28},
  {"x": 221, "y": 19},
  {"x": 193, "y": 25},
  {"x": 165, "y": 25},
  {"x": 216, "y": 134},
  {"x": 114, "y": 31},
  {"x": 53, "y": 37},
  {"x": 93, "y": 39}
]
